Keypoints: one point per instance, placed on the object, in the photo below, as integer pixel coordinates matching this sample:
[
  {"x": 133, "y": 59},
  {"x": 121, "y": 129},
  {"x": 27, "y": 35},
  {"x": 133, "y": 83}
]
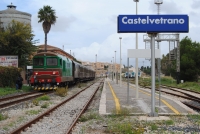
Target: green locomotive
[{"x": 51, "y": 70}]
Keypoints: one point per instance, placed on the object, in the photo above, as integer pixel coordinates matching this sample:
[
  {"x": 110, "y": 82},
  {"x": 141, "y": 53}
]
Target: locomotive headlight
[
  {"x": 54, "y": 72},
  {"x": 36, "y": 73}
]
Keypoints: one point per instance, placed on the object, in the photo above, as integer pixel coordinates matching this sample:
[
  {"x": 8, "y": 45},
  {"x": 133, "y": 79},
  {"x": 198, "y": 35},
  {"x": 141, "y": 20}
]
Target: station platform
[{"x": 114, "y": 98}]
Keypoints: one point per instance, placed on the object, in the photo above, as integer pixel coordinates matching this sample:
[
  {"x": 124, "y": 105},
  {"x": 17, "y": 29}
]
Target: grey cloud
[
  {"x": 113, "y": 19},
  {"x": 194, "y": 33},
  {"x": 196, "y": 4},
  {"x": 193, "y": 17},
  {"x": 91, "y": 29},
  {"x": 61, "y": 25}
]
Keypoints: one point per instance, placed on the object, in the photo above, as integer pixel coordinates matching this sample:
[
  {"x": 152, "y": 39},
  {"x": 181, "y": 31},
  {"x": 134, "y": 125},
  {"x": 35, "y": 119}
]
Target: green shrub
[
  {"x": 43, "y": 98},
  {"x": 35, "y": 102},
  {"x": 124, "y": 112},
  {"x": 79, "y": 85},
  {"x": 169, "y": 122},
  {"x": 3, "y": 117},
  {"x": 9, "y": 90},
  {"x": 194, "y": 117},
  {"x": 154, "y": 127},
  {"x": 32, "y": 112},
  {"x": 62, "y": 91},
  {"x": 45, "y": 105},
  {"x": 89, "y": 116},
  {"x": 124, "y": 128},
  {"x": 8, "y": 76}
]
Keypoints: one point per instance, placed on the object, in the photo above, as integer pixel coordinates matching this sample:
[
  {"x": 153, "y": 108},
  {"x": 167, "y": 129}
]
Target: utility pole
[
  {"x": 136, "y": 59},
  {"x": 158, "y": 3},
  {"x": 115, "y": 67},
  {"x": 96, "y": 65},
  {"x": 120, "y": 64}
]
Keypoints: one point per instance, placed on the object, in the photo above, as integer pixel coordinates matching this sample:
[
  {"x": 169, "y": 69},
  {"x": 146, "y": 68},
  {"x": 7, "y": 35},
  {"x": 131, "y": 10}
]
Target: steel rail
[
  {"x": 182, "y": 89},
  {"x": 194, "y": 97},
  {"x": 22, "y": 99},
  {"x": 83, "y": 110},
  {"x": 33, "y": 121},
  {"x": 197, "y": 107},
  {"x": 16, "y": 96},
  {"x": 189, "y": 97}
]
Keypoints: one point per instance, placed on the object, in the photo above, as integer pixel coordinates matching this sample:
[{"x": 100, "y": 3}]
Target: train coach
[{"x": 52, "y": 70}]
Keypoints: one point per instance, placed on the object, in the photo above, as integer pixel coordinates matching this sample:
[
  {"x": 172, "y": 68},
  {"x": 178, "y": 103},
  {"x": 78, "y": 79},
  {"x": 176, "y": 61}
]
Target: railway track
[
  {"x": 8, "y": 101},
  {"x": 184, "y": 91},
  {"x": 68, "y": 111},
  {"x": 192, "y": 99}
]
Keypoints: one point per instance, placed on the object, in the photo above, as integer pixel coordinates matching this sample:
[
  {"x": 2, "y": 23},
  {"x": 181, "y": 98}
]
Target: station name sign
[{"x": 153, "y": 23}]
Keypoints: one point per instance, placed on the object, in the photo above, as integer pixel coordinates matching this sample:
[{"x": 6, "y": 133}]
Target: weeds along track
[
  {"x": 8, "y": 101},
  {"x": 61, "y": 118}
]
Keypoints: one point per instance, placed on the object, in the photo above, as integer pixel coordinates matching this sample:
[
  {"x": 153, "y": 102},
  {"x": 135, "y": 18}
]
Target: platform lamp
[
  {"x": 158, "y": 3},
  {"x": 96, "y": 65},
  {"x": 111, "y": 70},
  {"x": 120, "y": 64},
  {"x": 115, "y": 67},
  {"x": 136, "y": 59}
]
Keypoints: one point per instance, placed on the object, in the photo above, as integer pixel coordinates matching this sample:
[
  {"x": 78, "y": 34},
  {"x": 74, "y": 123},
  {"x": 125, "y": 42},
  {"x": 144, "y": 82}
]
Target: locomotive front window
[
  {"x": 38, "y": 61},
  {"x": 52, "y": 62}
]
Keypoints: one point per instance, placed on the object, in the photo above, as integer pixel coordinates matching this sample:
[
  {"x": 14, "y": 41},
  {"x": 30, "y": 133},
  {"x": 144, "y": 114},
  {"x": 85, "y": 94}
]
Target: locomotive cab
[{"x": 50, "y": 70}]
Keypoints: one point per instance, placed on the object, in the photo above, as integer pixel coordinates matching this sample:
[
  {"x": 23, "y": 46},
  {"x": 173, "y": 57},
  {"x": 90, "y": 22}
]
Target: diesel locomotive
[{"x": 52, "y": 70}]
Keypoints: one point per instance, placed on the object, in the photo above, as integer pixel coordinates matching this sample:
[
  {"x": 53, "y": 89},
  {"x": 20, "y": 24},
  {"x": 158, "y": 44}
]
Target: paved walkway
[{"x": 115, "y": 98}]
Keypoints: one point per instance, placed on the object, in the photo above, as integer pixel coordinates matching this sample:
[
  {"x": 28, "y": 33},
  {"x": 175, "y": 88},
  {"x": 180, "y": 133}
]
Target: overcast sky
[{"x": 89, "y": 27}]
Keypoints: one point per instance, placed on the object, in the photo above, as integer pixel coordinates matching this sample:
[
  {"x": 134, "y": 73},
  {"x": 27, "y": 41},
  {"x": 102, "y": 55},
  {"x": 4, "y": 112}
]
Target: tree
[
  {"x": 190, "y": 62},
  {"x": 147, "y": 70},
  {"x": 47, "y": 16},
  {"x": 142, "y": 68},
  {"x": 105, "y": 67},
  {"x": 17, "y": 39}
]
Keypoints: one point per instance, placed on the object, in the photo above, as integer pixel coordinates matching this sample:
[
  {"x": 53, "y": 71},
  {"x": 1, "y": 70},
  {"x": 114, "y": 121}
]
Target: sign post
[
  {"x": 153, "y": 113},
  {"x": 153, "y": 24}
]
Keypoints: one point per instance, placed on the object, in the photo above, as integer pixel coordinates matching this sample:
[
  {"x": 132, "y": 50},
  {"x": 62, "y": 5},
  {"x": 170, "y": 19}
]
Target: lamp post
[
  {"x": 113, "y": 70},
  {"x": 158, "y": 3},
  {"x": 136, "y": 59},
  {"x": 120, "y": 64},
  {"x": 115, "y": 67},
  {"x": 96, "y": 65}
]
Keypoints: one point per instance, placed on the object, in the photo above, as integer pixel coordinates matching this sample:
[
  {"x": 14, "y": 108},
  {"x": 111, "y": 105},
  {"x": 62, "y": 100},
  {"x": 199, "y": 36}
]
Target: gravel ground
[
  {"x": 61, "y": 119},
  {"x": 21, "y": 113},
  {"x": 93, "y": 123}
]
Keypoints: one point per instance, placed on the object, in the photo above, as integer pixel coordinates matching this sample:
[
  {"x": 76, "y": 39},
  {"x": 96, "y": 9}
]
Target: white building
[{"x": 6, "y": 16}]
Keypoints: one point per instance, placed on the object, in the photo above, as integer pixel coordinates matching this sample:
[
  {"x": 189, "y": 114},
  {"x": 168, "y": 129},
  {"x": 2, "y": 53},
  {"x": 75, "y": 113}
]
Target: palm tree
[{"x": 47, "y": 16}]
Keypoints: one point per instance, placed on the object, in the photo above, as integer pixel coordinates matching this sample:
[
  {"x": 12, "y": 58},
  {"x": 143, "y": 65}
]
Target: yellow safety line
[
  {"x": 117, "y": 104},
  {"x": 171, "y": 107},
  {"x": 167, "y": 104}
]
